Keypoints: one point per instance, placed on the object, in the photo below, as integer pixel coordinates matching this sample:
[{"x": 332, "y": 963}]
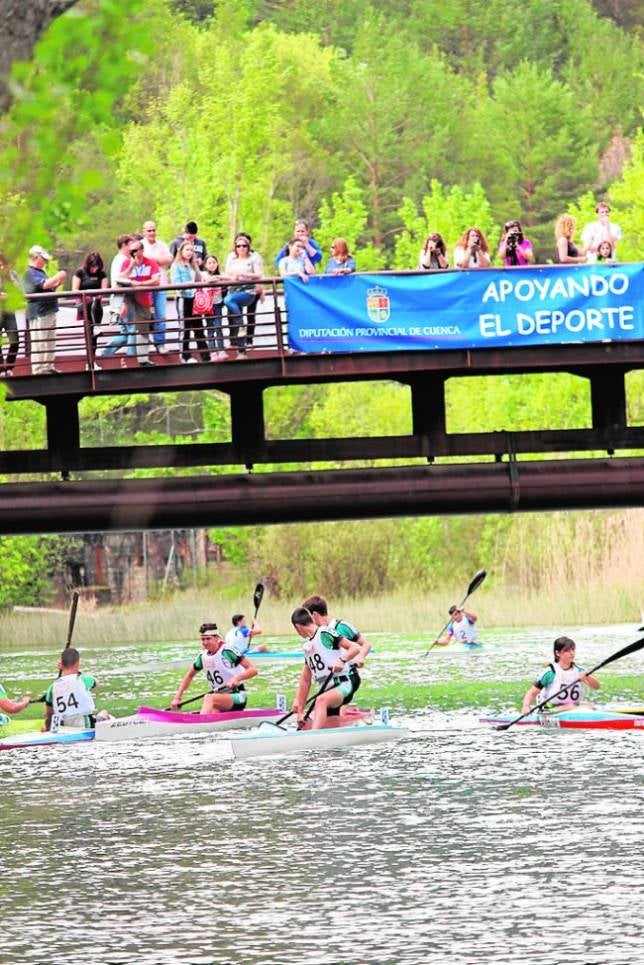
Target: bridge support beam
[{"x": 247, "y": 499}]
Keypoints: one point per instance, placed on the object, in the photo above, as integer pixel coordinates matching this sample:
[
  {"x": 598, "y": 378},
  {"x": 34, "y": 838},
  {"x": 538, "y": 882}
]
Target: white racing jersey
[
  {"x": 463, "y": 630},
  {"x": 321, "y": 652},
  {"x": 219, "y": 667},
  {"x": 72, "y": 702},
  {"x": 556, "y": 679}
]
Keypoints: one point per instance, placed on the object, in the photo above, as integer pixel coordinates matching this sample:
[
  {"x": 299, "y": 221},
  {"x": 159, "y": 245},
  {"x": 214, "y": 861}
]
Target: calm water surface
[{"x": 458, "y": 845}]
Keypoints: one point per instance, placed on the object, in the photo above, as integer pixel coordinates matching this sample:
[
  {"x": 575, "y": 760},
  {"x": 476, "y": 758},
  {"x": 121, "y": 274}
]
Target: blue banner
[{"x": 495, "y": 308}]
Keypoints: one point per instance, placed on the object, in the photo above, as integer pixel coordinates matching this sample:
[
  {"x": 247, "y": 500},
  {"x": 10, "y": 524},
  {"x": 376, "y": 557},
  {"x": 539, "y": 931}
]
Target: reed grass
[{"x": 593, "y": 601}]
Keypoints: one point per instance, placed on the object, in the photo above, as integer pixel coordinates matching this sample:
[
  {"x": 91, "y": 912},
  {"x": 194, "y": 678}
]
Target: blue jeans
[
  {"x": 214, "y": 329},
  {"x": 159, "y": 300},
  {"x": 235, "y": 302}
]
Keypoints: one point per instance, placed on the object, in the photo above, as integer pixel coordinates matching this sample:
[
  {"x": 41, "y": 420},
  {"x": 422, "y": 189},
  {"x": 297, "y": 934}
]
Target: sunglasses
[
  {"x": 242, "y": 244},
  {"x": 133, "y": 251}
]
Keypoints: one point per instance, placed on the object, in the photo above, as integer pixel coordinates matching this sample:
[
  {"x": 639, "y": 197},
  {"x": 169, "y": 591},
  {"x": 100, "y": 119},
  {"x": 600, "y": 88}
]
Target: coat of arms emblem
[{"x": 378, "y": 304}]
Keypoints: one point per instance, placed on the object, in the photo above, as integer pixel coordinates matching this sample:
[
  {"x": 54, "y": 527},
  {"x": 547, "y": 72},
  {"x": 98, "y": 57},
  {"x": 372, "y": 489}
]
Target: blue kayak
[{"x": 42, "y": 739}]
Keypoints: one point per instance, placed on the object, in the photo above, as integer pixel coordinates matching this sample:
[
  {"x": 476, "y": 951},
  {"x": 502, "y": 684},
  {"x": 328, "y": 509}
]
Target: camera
[{"x": 513, "y": 239}]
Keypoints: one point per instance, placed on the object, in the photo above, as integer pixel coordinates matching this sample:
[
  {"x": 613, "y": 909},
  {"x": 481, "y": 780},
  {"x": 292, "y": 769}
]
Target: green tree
[
  {"x": 346, "y": 216},
  {"x": 450, "y": 211}
]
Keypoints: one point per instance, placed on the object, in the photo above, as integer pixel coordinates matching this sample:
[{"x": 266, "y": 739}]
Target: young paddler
[
  {"x": 326, "y": 658},
  {"x": 225, "y": 668},
  {"x": 318, "y": 608},
  {"x": 69, "y": 701},
  {"x": 563, "y": 674}
]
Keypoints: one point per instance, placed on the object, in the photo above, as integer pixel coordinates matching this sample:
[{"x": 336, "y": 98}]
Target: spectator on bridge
[
  {"x": 90, "y": 275},
  {"x": 158, "y": 251},
  {"x": 472, "y": 250},
  {"x": 566, "y": 251},
  {"x": 303, "y": 234},
  {"x": 242, "y": 265},
  {"x": 136, "y": 272},
  {"x": 190, "y": 234},
  {"x": 208, "y": 303},
  {"x": 41, "y": 314},
  {"x": 185, "y": 269},
  {"x": 341, "y": 261},
  {"x": 606, "y": 253},
  {"x": 117, "y": 309},
  {"x": 8, "y": 323},
  {"x": 603, "y": 229},
  {"x": 514, "y": 247},
  {"x": 296, "y": 262},
  {"x": 433, "y": 254}
]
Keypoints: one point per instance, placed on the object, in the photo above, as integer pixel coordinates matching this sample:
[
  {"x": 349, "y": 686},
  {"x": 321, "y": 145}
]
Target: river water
[{"x": 457, "y": 845}]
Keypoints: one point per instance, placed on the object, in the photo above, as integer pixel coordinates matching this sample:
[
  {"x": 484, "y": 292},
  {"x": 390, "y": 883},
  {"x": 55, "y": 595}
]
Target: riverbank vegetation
[{"x": 375, "y": 122}]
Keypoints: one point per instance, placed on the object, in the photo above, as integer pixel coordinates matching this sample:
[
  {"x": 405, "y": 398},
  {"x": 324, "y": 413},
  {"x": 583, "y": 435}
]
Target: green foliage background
[{"x": 376, "y": 122}]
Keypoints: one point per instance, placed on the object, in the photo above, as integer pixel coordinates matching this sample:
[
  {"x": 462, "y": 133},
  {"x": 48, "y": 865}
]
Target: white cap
[{"x": 37, "y": 251}]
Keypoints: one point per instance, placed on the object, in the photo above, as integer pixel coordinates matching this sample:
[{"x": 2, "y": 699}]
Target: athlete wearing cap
[
  {"x": 226, "y": 670},
  {"x": 564, "y": 680}
]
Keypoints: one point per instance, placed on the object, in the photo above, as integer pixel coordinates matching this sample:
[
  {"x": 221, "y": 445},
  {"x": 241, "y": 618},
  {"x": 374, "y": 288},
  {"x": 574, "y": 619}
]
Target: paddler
[
  {"x": 563, "y": 674},
  {"x": 460, "y": 627},
  {"x": 319, "y": 610},
  {"x": 326, "y": 658},
  {"x": 9, "y": 706},
  {"x": 240, "y": 634},
  {"x": 226, "y": 670},
  {"x": 69, "y": 701}
]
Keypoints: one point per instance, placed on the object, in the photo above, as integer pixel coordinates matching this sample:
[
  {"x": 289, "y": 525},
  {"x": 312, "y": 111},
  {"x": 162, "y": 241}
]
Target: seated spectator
[
  {"x": 472, "y": 250},
  {"x": 184, "y": 270},
  {"x": 311, "y": 247},
  {"x": 41, "y": 313},
  {"x": 190, "y": 234},
  {"x": 8, "y": 322},
  {"x": 242, "y": 265},
  {"x": 296, "y": 261},
  {"x": 90, "y": 275},
  {"x": 514, "y": 247},
  {"x": 606, "y": 252},
  {"x": 566, "y": 251},
  {"x": 341, "y": 261},
  {"x": 603, "y": 229},
  {"x": 433, "y": 254},
  {"x": 208, "y": 303}
]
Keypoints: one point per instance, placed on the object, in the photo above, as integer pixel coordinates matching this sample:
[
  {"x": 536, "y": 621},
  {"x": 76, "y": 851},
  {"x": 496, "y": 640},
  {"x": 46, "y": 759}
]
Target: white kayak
[
  {"x": 269, "y": 739},
  {"x": 154, "y": 722}
]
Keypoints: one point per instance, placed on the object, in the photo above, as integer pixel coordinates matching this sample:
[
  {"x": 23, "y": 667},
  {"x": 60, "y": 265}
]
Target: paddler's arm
[
  {"x": 183, "y": 686},
  {"x": 14, "y": 706},
  {"x": 350, "y": 649},
  {"x": 591, "y": 682},
  {"x": 245, "y": 671},
  {"x": 365, "y": 647},
  {"x": 302, "y": 691},
  {"x": 530, "y": 698}
]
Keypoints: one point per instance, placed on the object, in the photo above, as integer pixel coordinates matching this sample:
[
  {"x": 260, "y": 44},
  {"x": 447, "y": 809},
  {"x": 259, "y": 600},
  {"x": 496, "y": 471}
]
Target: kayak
[
  {"x": 578, "y": 719},
  {"x": 66, "y": 735},
  {"x": 154, "y": 722},
  {"x": 269, "y": 740},
  {"x": 471, "y": 645},
  {"x": 147, "y": 722}
]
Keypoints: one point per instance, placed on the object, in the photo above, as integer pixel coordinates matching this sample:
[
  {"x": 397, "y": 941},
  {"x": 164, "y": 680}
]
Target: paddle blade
[
  {"x": 258, "y": 596},
  {"x": 477, "y": 579}
]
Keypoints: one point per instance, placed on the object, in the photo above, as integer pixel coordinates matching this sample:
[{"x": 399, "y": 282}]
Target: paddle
[
  {"x": 70, "y": 631},
  {"x": 258, "y": 596},
  {"x": 477, "y": 579},
  {"x": 311, "y": 701},
  {"x": 624, "y": 652}
]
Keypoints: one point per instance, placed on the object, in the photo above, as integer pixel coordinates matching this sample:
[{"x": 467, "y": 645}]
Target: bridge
[{"x": 599, "y": 464}]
